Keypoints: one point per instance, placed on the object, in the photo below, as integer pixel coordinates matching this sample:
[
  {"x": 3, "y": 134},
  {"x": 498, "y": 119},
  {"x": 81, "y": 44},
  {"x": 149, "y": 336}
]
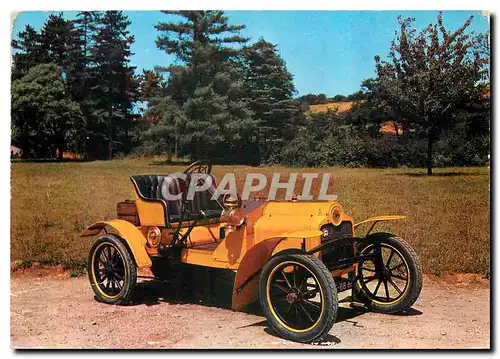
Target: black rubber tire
[
  {"x": 324, "y": 279},
  {"x": 415, "y": 270},
  {"x": 130, "y": 270}
]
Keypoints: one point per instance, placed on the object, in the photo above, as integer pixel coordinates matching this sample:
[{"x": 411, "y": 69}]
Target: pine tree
[
  {"x": 82, "y": 82},
  {"x": 150, "y": 84},
  {"x": 116, "y": 91},
  {"x": 206, "y": 85},
  {"x": 270, "y": 89},
  {"x": 27, "y": 52},
  {"x": 55, "y": 41},
  {"x": 80, "y": 43},
  {"x": 196, "y": 30}
]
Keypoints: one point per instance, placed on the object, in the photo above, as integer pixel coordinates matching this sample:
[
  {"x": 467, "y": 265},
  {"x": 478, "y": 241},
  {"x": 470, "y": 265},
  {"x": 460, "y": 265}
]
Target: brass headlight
[
  {"x": 154, "y": 237},
  {"x": 336, "y": 216}
]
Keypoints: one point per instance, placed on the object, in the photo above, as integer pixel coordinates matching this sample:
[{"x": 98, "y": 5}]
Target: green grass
[{"x": 448, "y": 214}]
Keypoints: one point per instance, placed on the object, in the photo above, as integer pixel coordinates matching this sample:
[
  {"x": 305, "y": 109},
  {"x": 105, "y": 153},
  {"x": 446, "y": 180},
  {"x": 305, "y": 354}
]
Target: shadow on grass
[
  {"x": 214, "y": 162},
  {"x": 439, "y": 174},
  {"x": 49, "y": 160},
  {"x": 170, "y": 163}
]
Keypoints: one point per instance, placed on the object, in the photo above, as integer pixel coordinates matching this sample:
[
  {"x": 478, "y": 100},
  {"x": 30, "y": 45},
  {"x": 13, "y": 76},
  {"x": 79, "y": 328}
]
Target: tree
[
  {"x": 270, "y": 89},
  {"x": 167, "y": 121},
  {"x": 55, "y": 41},
  {"x": 205, "y": 86},
  {"x": 312, "y": 99},
  {"x": 432, "y": 75},
  {"x": 339, "y": 98},
  {"x": 80, "y": 43},
  {"x": 115, "y": 90},
  {"x": 27, "y": 52},
  {"x": 44, "y": 116},
  {"x": 197, "y": 29},
  {"x": 150, "y": 85},
  {"x": 82, "y": 79}
]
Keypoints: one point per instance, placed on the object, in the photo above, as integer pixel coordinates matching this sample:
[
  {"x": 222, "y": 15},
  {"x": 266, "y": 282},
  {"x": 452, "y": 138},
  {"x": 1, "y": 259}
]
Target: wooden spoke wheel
[
  {"x": 392, "y": 280},
  {"x": 112, "y": 271},
  {"x": 298, "y": 296}
]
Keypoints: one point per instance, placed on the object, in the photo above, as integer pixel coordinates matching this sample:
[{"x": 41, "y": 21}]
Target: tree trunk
[
  {"x": 176, "y": 148},
  {"x": 110, "y": 134},
  {"x": 60, "y": 144},
  {"x": 60, "y": 151},
  {"x": 429, "y": 153},
  {"x": 25, "y": 141}
]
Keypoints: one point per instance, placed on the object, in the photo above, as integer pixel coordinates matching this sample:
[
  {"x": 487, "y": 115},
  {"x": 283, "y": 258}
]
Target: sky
[{"x": 328, "y": 52}]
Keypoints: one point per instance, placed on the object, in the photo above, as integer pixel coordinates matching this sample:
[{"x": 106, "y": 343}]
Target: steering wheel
[{"x": 199, "y": 166}]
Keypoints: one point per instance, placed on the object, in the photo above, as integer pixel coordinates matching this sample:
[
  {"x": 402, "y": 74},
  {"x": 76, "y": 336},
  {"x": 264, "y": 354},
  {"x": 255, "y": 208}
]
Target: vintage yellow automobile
[{"x": 293, "y": 256}]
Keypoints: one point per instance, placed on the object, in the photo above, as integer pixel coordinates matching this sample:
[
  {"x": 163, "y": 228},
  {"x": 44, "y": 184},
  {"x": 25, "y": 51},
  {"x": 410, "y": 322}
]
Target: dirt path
[{"x": 59, "y": 312}]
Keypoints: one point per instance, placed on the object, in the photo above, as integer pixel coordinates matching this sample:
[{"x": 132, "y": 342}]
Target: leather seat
[
  {"x": 202, "y": 201},
  {"x": 153, "y": 187},
  {"x": 148, "y": 186},
  {"x": 175, "y": 187}
]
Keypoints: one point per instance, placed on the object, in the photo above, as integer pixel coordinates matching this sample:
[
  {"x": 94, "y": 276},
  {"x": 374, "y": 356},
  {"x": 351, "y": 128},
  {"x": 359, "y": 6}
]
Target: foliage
[
  {"x": 206, "y": 90},
  {"x": 311, "y": 99},
  {"x": 92, "y": 53},
  {"x": 231, "y": 101},
  {"x": 114, "y": 96},
  {"x": 432, "y": 75},
  {"x": 150, "y": 85},
  {"x": 44, "y": 116},
  {"x": 270, "y": 89},
  {"x": 27, "y": 52}
]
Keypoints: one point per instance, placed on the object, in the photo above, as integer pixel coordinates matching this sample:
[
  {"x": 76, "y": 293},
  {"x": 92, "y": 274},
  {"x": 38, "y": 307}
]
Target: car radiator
[{"x": 342, "y": 245}]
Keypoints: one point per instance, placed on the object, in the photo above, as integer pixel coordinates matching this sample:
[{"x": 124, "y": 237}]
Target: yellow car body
[{"x": 269, "y": 228}]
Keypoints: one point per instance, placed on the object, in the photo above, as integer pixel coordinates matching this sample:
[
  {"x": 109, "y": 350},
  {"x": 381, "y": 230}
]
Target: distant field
[
  {"x": 340, "y": 107},
  {"x": 448, "y": 214}
]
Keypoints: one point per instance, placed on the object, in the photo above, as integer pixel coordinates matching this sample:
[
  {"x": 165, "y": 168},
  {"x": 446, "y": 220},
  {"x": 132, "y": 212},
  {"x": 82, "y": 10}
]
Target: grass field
[{"x": 448, "y": 214}]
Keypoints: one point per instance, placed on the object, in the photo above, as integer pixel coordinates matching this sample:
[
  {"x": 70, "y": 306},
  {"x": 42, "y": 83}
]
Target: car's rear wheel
[
  {"x": 112, "y": 271},
  {"x": 391, "y": 281},
  {"x": 298, "y": 297}
]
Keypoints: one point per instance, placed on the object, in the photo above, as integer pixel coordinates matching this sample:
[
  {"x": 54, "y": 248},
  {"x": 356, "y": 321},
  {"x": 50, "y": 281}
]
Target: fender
[
  {"x": 375, "y": 235},
  {"x": 129, "y": 233},
  {"x": 376, "y": 219},
  {"x": 246, "y": 281},
  {"x": 380, "y": 235}
]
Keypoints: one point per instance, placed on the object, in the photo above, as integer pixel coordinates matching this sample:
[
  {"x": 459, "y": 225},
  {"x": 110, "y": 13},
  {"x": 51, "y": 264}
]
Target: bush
[{"x": 323, "y": 145}]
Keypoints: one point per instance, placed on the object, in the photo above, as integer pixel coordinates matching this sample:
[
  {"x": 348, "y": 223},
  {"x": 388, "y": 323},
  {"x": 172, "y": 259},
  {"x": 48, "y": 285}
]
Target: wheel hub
[
  {"x": 109, "y": 270},
  {"x": 386, "y": 273},
  {"x": 292, "y": 297}
]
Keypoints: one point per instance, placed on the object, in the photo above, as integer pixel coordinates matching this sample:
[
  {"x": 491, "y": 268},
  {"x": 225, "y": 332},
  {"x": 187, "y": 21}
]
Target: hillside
[
  {"x": 340, "y": 107},
  {"x": 343, "y": 107}
]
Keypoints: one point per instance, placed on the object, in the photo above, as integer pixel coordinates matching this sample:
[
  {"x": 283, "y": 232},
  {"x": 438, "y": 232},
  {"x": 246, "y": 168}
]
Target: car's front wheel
[
  {"x": 298, "y": 297},
  {"x": 391, "y": 280},
  {"x": 112, "y": 270}
]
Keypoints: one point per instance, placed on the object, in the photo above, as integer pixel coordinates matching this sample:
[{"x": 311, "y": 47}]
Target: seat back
[
  {"x": 151, "y": 207},
  {"x": 148, "y": 186},
  {"x": 176, "y": 187},
  {"x": 154, "y": 187},
  {"x": 202, "y": 200}
]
